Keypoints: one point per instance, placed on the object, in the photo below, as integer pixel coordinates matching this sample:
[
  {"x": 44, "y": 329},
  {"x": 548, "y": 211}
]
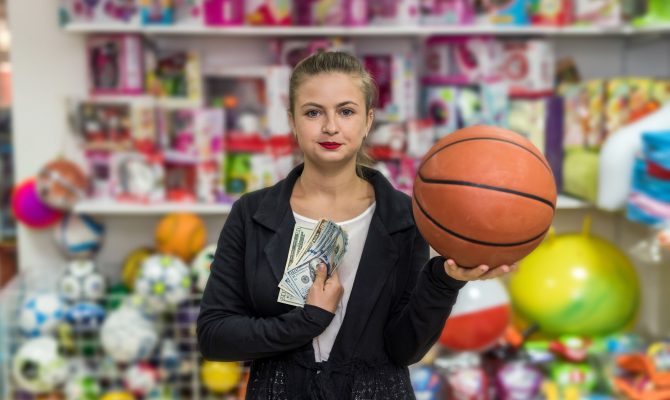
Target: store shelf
[
  {"x": 109, "y": 207},
  {"x": 417, "y": 31}
]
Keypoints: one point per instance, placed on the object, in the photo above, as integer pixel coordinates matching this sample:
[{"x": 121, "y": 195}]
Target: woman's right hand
[{"x": 325, "y": 292}]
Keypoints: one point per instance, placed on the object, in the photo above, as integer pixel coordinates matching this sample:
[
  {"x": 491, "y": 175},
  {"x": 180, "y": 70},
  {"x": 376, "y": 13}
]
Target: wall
[{"x": 49, "y": 67}]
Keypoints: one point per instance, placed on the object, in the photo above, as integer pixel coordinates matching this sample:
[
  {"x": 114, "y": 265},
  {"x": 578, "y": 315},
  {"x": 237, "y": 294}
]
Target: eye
[
  {"x": 347, "y": 112},
  {"x": 312, "y": 113}
]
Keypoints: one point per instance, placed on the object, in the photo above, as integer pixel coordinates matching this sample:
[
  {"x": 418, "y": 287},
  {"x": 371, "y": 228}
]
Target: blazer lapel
[
  {"x": 377, "y": 261},
  {"x": 276, "y": 250}
]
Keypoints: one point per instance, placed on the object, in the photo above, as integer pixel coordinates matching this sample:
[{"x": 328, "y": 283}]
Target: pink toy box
[
  {"x": 115, "y": 64},
  {"x": 394, "y": 12},
  {"x": 223, "y": 12},
  {"x": 528, "y": 67},
  {"x": 268, "y": 12},
  {"x": 461, "y": 60},
  {"x": 99, "y": 12}
]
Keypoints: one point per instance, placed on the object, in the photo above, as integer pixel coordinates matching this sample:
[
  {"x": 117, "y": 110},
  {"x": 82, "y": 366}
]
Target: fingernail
[
  {"x": 484, "y": 268},
  {"x": 322, "y": 267},
  {"x": 451, "y": 262}
]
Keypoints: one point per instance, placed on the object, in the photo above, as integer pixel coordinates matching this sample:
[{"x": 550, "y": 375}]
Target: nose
[{"x": 329, "y": 125}]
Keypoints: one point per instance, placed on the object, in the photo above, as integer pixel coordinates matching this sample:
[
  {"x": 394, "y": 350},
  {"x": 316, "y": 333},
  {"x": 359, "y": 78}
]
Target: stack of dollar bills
[{"x": 325, "y": 243}]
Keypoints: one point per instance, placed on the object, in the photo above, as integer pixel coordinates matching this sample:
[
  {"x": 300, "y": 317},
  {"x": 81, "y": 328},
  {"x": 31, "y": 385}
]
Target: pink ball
[{"x": 29, "y": 209}]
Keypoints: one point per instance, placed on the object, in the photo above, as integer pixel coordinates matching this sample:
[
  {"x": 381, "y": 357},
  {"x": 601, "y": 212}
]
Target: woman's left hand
[{"x": 479, "y": 273}]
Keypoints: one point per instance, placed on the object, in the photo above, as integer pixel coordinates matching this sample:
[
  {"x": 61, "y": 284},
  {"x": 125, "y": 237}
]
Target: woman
[{"x": 384, "y": 306}]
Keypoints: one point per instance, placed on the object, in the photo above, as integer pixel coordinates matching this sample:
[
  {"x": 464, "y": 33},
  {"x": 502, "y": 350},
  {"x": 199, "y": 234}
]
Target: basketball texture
[
  {"x": 181, "y": 234},
  {"x": 484, "y": 195}
]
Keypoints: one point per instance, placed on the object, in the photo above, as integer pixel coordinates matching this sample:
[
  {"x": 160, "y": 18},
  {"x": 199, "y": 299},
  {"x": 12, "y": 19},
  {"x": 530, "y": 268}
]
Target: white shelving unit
[{"x": 356, "y": 31}]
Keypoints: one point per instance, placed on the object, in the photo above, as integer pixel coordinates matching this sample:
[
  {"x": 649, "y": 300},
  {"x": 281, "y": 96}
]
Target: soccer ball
[
  {"x": 200, "y": 266},
  {"x": 37, "y": 367},
  {"x": 41, "y": 314},
  {"x": 163, "y": 281},
  {"x": 127, "y": 336},
  {"x": 82, "y": 282},
  {"x": 82, "y": 387},
  {"x": 79, "y": 236},
  {"x": 85, "y": 317},
  {"x": 140, "y": 379}
]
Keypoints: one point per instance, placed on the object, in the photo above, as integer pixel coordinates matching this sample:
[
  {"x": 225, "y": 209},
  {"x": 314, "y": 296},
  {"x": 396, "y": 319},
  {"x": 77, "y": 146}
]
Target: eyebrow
[{"x": 342, "y": 104}]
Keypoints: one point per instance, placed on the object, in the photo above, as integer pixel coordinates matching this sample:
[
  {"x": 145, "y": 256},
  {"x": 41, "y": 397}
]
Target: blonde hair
[{"x": 333, "y": 62}]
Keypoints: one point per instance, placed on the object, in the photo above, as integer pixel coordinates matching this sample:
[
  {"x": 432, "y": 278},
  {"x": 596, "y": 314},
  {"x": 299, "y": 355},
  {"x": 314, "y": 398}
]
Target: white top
[{"x": 357, "y": 229}]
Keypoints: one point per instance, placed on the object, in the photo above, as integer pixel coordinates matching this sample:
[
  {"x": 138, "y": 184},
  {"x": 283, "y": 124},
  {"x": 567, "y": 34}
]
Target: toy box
[
  {"x": 105, "y": 126},
  {"x": 137, "y": 177},
  {"x": 506, "y": 12},
  {"x": 223, "y": 12},
  {"x": 99, "y": 12},
  {"x": 440, "y": 106},
  {"x": 268, "y": 12},
  {"x": 174, "y": 74},
  {"x": 115, "y": 64},
  {"x": 189, "y": 12},
  {"x": 394, "y": 12},
  {"x": 290, "y": 52},
  {"x": 461, "y": 60},
  {"x": 552, "y": 12},
  {"x": 396, "y": 80},
  {"x": 255, "y": 99},
  {"x": 584, "y": 114},
  {"x": 598, "y": 12},
  {"x": 447, "y": 12},
  {"x": 330, "y": 12},
  {"x": 528, "y": 67},
  {"x": 157, "y": 12}
]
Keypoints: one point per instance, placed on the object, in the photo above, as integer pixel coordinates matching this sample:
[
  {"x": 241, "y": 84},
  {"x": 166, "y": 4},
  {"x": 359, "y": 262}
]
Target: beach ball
[
  {"x": 79, "y": 236},
  {"x": 220, "y": 377},
  {"x": 181, "y": 234},
  {"x": 29, "y": 209},
  {"x": 479, "y": 317},
  {"x": 576, "y": 284}
]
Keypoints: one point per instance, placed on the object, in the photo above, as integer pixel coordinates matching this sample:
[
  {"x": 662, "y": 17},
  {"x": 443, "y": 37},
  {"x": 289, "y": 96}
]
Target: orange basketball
[
  {"x": 181, "y": 234},
  {"x": 484, "y": 195}
]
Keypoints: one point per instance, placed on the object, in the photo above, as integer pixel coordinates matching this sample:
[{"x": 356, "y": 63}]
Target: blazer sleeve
[
  {"x": 226, "y": 328},
  {"x": 418, "y": 317}
]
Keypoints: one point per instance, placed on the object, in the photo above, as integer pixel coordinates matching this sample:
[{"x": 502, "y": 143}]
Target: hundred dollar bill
[
  {"x": 300, "y": 235},
  {"x": 299, "y": 279}
]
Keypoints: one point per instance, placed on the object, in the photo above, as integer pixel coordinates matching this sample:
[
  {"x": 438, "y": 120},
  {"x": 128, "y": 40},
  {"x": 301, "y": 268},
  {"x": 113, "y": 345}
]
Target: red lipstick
[{"x": 329, "y": 145}]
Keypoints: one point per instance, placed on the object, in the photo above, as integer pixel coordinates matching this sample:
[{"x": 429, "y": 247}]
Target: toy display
[
  {"x": 223, "y": 12},
  {"x": 268, "y": 12},
  {"x": 394, "y": 75},
  {"x": 598, "y": 12},
  {"x": 394, "y": 12},
  {"x": 174, "y": 74},
  {"x": 137, "y": 177},
  {"x": 115, "y": 64},
  {"x": 528, "y": 67},
  {"x": 447, "y": 12},
  {"x": 159, "y": 12},
  {"x": 98, "y": 11},
  {"x": 506, "y": 12},
  {"x": 106, "y": 126},
  {"x": 462, "y": 60},
  {"x": 552, "y": 12},
  {"x": 574, "y": 272}
]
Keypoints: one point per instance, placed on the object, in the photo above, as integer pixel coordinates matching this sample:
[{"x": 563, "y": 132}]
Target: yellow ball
[
  {"x": 220, "y": 377},
  {"x": 181, "y": 234},
  {"x": 576, "y": 284},
  {"x": 132, "y": 264},
  {"x": 118, "y": 396}
]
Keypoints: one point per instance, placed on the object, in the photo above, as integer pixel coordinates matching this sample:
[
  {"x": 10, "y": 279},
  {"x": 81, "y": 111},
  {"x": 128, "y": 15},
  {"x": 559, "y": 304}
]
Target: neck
[{"x": 329, "y": 182}]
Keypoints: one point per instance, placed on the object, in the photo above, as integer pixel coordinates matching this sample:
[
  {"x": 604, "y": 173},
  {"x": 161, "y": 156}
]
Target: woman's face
[{"x": 329, "y": 118}]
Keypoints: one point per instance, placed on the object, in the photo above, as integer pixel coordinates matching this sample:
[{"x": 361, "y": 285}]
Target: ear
[
  {"x": 291, "y": 122},
  {"x": 370, "y": 120}
]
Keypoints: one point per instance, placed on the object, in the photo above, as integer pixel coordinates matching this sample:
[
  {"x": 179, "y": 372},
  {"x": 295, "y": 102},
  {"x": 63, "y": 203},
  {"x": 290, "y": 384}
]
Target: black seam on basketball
[
  {"x": 471, "y": 240},
  {"x": 487, "y": 187},
  {"x": 487, "y": 138}
]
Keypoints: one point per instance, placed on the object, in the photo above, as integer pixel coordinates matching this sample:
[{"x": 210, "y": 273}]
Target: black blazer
[{"x": 398, "y": 305}]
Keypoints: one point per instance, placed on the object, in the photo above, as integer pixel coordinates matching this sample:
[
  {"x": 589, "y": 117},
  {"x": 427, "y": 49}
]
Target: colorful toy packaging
[
  {"x": 461, "y": 60},
  {"x": 268, "y": 12},
  {"x": 449, "y": 12},
  {"x": 396, "y": 81},
  {"x": 330, "y": 12},
  {"x": 103, "y": 12},
  {"x": 137, "y": 177},
  {"x": 528, "y": 67},
  {"x": 157, "y": 12},
  {"x": 552, "y": 12},
  {"x": 598, "y": 12},
  {"x": 189, "y": 12},
  {"x": 223, "y": 12},
  {"x": 508, "y": 12},
  {"x": 394, "y": 12},
  {"x": 290, "y": 52},
  {"x": 174, "y": 74},
  {"x": 105, "y": 126},
  {"x": 115, "y": 64}
]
